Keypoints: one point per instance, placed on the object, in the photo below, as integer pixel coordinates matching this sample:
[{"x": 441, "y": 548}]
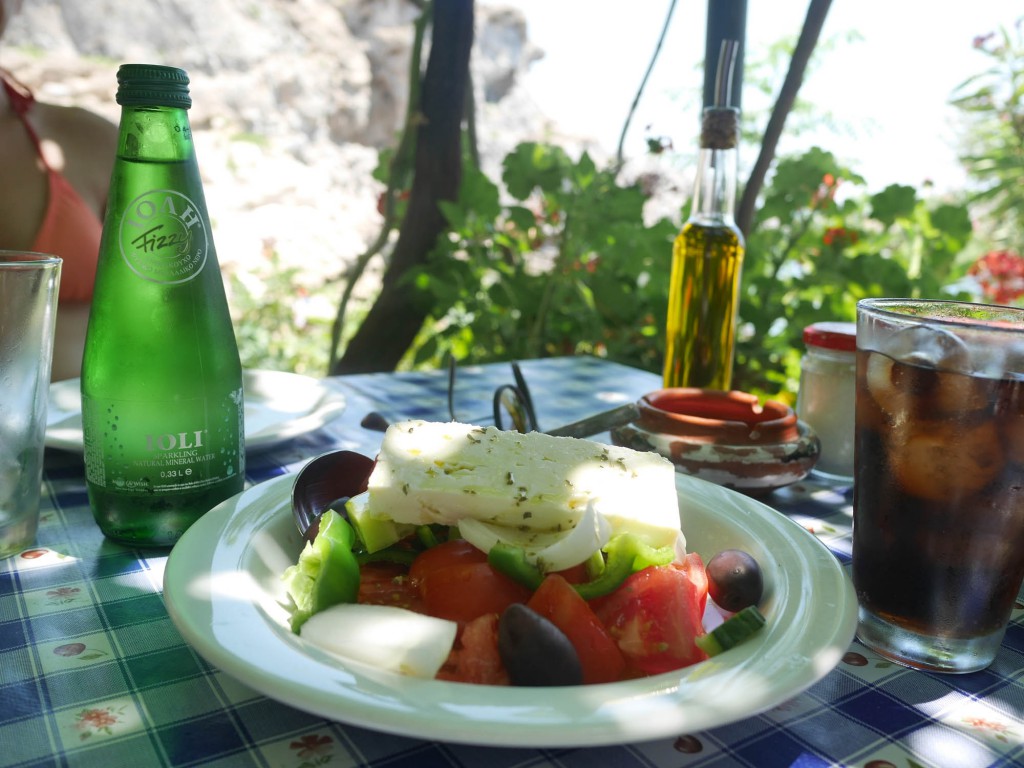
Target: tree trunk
[{"x": 395, "y": 318}]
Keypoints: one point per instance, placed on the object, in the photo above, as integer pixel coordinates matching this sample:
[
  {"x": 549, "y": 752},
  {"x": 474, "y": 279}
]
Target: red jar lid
[{"x": 839, "y": 336}]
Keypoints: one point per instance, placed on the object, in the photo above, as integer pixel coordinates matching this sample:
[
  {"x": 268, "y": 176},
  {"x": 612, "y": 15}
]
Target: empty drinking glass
[{"x": 28, "y": 308}]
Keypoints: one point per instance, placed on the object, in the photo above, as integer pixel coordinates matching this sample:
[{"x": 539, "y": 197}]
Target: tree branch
[
  {"x": 395, "y": 318},
  {"x": 619, "y": 160},
  {"x": 399, "y": 171}
]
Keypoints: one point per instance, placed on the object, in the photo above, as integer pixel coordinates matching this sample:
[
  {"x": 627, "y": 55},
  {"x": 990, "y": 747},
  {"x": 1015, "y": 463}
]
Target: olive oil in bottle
[{"x": 707, "y": 259}]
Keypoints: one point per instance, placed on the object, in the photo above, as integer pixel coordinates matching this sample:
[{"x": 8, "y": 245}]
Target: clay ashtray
[{"x": 727, "y": 438}]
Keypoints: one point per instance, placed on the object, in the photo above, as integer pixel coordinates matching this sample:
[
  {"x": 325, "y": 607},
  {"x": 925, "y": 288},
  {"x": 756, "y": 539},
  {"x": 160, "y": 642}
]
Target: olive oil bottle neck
[{"x": 714, "y": 189}]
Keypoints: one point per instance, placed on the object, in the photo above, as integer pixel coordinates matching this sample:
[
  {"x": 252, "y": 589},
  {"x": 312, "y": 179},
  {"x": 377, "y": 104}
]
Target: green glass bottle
[{"x": 162, "y": 405}]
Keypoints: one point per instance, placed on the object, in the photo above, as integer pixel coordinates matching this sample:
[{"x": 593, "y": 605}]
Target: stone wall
[{"x": 292, "y": 99}]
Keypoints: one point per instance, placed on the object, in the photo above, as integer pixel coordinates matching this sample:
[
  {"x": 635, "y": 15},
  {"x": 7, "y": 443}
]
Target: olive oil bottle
[{"x": 707, "y": 260}]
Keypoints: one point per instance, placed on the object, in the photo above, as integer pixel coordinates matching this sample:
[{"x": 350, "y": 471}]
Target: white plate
[
  {"x": 222, "y": 589},
  {"x": 278, "y": 407}
]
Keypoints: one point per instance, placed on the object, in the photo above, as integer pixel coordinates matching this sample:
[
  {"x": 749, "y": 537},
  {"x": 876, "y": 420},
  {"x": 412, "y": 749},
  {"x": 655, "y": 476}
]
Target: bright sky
[{"x": 888, "y": 90}]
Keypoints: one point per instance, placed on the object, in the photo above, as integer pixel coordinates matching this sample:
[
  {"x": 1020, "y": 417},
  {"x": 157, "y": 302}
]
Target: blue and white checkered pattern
[{"x": 92, "y": 672}]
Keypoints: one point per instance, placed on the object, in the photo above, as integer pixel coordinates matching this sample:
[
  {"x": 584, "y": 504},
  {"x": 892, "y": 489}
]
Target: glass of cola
[{"x": 938, "y": 536}]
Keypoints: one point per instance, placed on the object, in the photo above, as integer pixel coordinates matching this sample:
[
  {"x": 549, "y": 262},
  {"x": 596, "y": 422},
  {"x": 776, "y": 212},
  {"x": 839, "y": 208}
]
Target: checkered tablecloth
[{"x": 92, "y": 671}]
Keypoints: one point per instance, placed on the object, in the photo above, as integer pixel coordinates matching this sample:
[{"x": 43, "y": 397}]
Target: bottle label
[
  {"x": 163, "y": 237},
  {"x": 144, "y": 447}
]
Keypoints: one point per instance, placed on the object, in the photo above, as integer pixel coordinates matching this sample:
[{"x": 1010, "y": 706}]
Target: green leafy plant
[
  {"x": 820, "y": 243},
  {"x": 566, "y": 266},
  {"x": 556, "y": 257},
  {"x": 992, "y": 104},
  {"x": 280, "y": 324}
]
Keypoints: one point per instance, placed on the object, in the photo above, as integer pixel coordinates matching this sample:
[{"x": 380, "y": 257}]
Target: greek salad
[{"x": 498, "y": 558}]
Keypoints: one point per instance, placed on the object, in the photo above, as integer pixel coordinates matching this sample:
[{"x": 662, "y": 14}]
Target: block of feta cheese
[{"x": 441, "y": 472}]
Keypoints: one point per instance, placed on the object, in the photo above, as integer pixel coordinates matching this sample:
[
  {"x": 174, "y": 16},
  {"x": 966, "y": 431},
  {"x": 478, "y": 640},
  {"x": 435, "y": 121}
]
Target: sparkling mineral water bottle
[{"x": 162, "y": 406}]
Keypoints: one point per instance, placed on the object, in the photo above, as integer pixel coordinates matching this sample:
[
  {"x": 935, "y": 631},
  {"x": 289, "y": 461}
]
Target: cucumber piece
[{"x": 732, "y": 631}]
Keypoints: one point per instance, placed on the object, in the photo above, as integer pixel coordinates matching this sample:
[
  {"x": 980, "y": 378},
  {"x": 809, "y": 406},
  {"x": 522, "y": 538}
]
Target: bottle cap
[
  {"x": 832, "y": 335},
  {"x": 152, "y": 85}
]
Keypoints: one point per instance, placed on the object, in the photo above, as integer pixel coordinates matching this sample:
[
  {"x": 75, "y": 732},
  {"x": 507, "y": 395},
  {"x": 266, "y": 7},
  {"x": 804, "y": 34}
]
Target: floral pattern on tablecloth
[
  {"x": 310, "y": 750},
  {"x": 57, "y": 598},
  {"x": 99, "y": 721}
]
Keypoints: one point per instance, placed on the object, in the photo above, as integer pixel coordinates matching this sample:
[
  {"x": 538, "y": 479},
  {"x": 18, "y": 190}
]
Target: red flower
[
  {"x": 980, "y": 40},
  {"x": 401, "y": 195},
  {"x": 826, "y": 191},
  {"x": 90, "y": 721},
  {"x": 840, "y": 236},
  {"x": 63, "y": 592},
  {"x": 312, "y": 745},
  {"x": 1000, "y": 275}
]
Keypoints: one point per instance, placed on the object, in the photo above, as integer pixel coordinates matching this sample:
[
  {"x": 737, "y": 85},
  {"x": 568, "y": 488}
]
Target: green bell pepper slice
[
  {"x": 512, "y": 562},
  {"x": 626, "y": 554},
  {"x": 327, "y": 572}
]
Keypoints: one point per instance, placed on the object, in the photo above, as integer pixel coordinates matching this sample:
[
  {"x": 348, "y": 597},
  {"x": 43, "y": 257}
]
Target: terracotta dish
[{"x": 728, "y": 438}]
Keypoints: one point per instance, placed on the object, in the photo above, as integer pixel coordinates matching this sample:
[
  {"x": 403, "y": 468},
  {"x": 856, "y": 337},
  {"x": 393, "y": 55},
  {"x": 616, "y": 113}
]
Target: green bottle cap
[{"x": 152, "y": 85}]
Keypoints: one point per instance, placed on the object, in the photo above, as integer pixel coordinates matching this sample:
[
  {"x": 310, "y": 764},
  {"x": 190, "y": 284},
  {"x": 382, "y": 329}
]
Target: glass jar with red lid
[{"x": 826, "y": 399}]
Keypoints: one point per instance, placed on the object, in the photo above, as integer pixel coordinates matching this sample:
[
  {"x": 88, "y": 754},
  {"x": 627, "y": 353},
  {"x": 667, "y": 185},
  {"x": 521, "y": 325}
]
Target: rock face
[{"x": 292, "y": 99}]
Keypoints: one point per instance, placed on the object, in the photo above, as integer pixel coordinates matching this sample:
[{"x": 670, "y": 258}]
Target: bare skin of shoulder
[
  {"x": 77, "y": 143},
  {"x": 81, "y": 146}
]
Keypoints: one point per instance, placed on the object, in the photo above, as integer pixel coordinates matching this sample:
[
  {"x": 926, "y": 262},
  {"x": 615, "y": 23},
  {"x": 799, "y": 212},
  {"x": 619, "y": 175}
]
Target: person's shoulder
[
  {"x": 88, "y": 143},
  {"x": 76, "y": 124}
]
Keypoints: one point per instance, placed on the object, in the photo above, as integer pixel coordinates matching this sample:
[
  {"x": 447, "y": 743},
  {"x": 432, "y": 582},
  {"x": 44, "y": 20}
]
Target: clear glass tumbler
[{"x": 28, "y": 309}]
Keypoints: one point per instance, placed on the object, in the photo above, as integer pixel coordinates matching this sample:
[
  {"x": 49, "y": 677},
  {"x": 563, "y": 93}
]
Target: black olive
[
  {"x": 535, "y": 651},
  {"x": 734, "y": 580}
]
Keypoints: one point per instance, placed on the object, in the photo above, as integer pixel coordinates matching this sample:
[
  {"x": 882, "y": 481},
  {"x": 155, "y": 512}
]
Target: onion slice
[
  {"x": 384, "y": 636},
  {"x": 549, "y": 550}
]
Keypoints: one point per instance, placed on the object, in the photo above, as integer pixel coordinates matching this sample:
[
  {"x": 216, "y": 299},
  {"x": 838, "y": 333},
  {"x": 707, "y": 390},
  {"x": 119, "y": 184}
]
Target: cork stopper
[
  {"x": 720, "y": 123},
  {"x": 719, "y": 128}
]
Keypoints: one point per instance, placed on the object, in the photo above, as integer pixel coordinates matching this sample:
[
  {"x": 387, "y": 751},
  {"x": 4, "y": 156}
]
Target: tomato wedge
[
  {"x": 655, "y": 616},
  {"x": 455, "y": 582},
  {"x": 476, "y": 658},
  {"x": 388, "y": 584},
  {"x": 445, "y": 555},
  {"x": 559, "y": 603},
  {"x": 576, "y": 575}
]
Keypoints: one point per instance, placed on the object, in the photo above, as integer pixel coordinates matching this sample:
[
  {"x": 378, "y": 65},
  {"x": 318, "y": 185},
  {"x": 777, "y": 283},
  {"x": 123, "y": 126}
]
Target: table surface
[{"x": 93, "y": 672}]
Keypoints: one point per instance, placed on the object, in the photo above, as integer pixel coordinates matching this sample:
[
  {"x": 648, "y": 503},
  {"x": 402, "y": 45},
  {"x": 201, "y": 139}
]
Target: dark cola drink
[{"x": 938, "y": 552}]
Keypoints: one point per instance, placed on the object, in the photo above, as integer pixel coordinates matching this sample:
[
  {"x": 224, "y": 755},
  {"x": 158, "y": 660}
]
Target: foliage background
[{"x": 556, "y": 257}]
